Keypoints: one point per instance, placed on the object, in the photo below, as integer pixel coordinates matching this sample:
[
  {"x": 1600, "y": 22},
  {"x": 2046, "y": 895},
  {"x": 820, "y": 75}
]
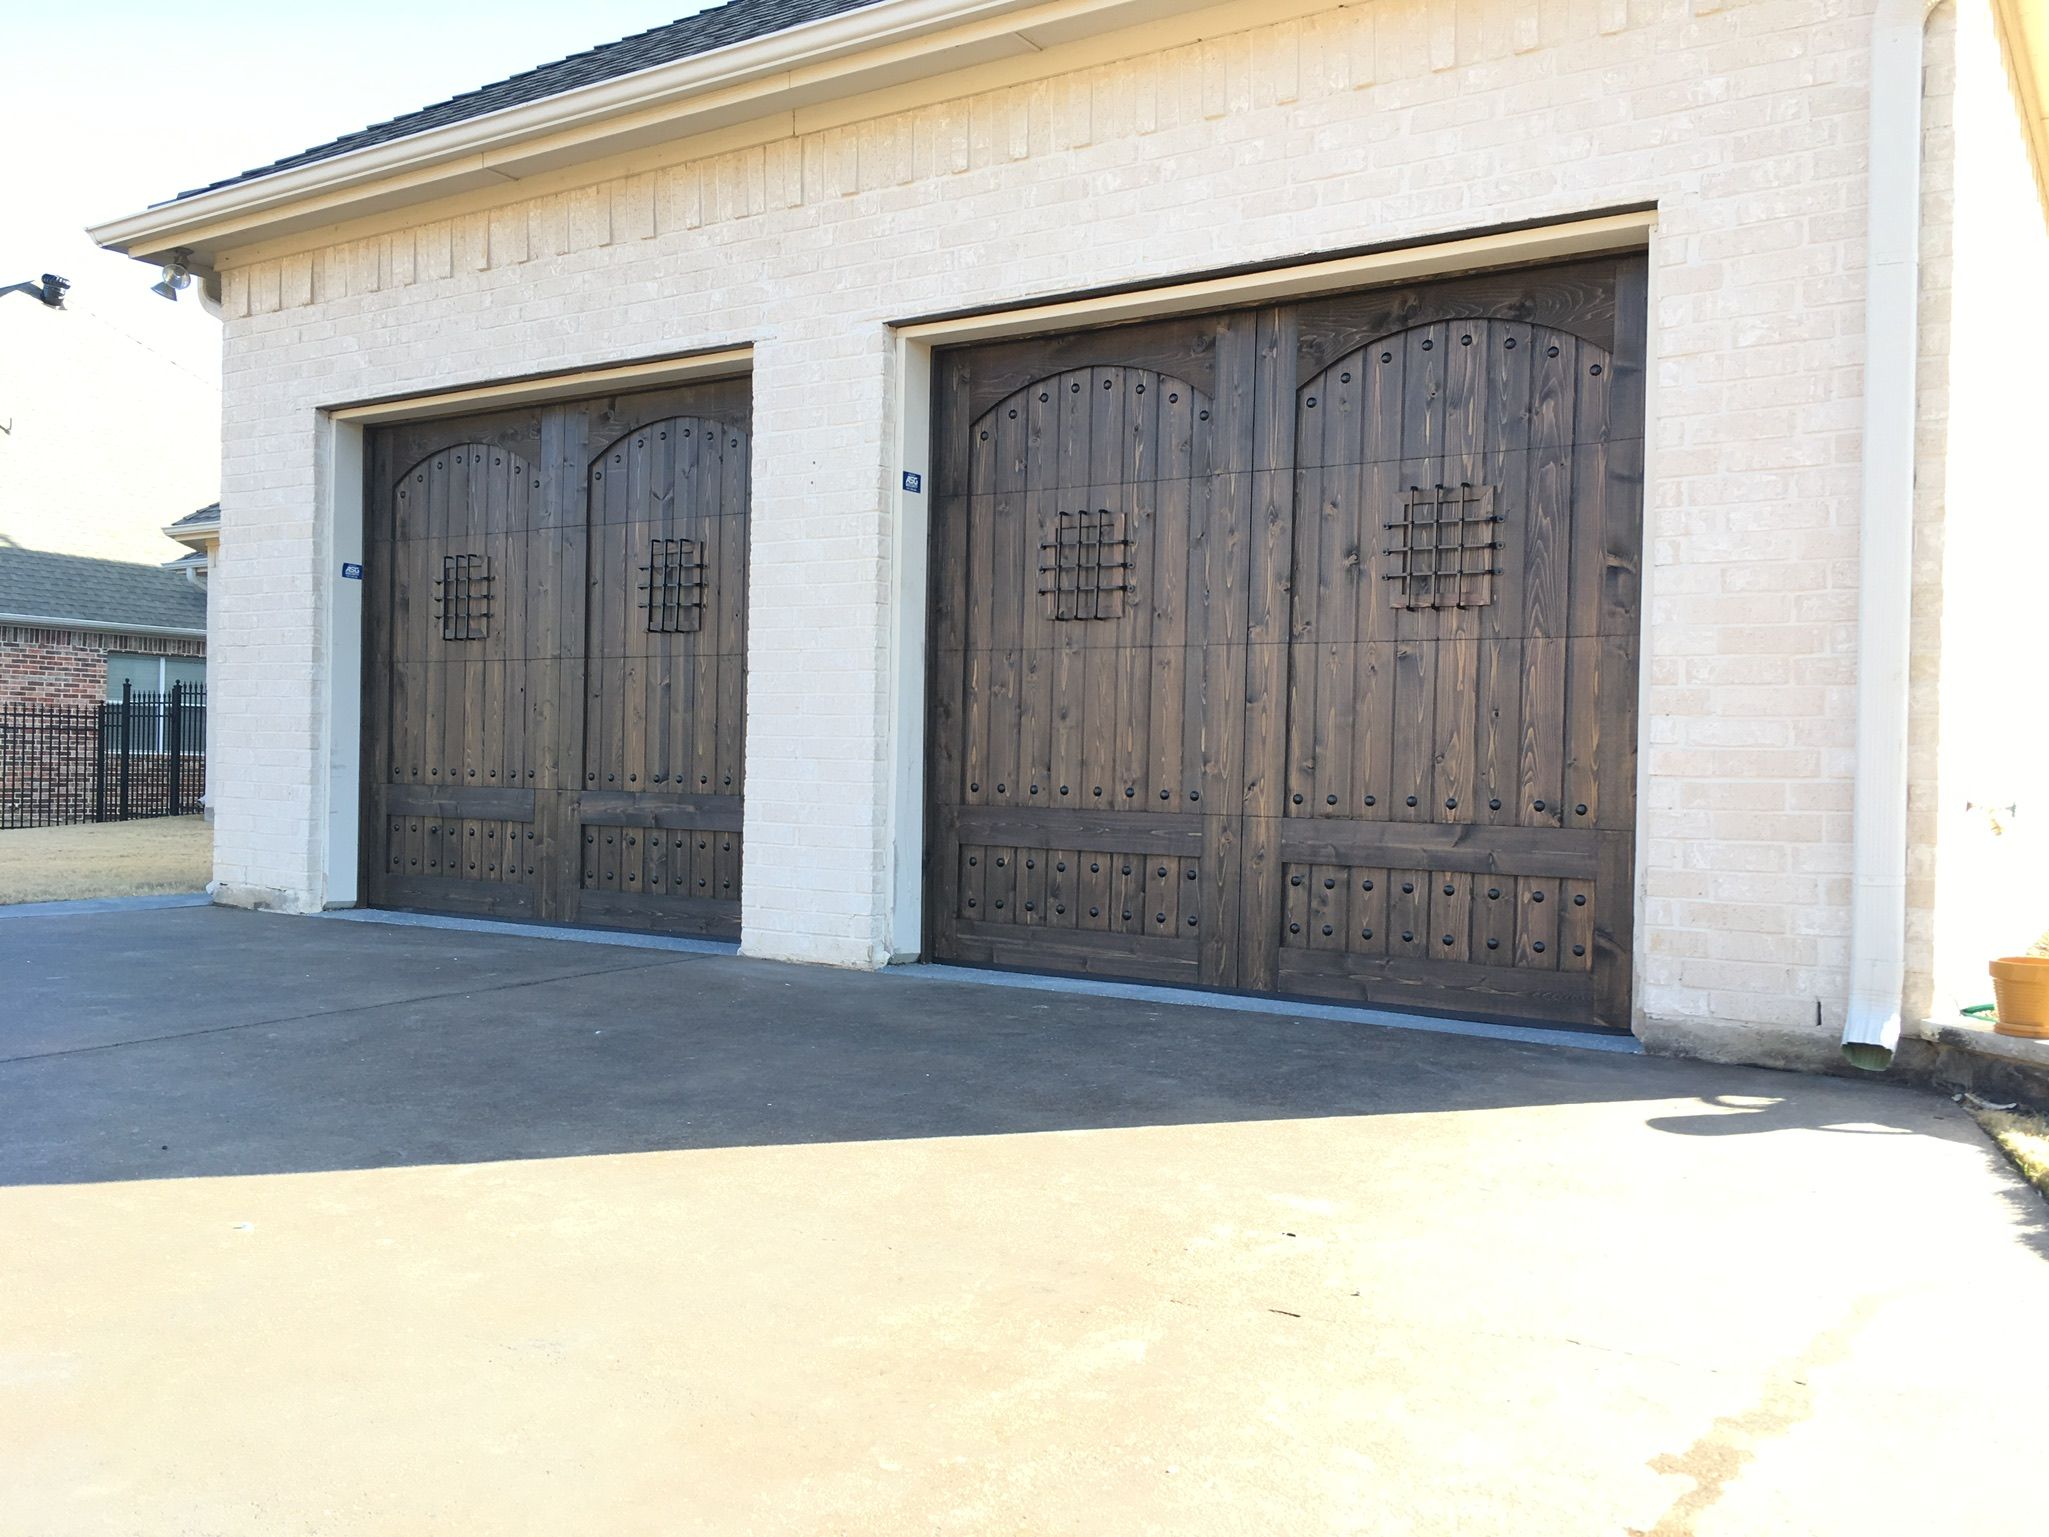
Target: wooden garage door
[
  {"x": 1293, "y": 650},
  {"x": 555, "y": 679}
]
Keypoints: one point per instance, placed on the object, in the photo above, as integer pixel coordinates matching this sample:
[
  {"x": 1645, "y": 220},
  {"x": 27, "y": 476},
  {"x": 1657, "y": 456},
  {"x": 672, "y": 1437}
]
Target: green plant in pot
[{"x": 2020, "y": 989}]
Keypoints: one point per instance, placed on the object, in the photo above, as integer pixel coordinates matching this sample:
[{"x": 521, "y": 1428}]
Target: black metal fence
[{"x": 142, "y": 755}]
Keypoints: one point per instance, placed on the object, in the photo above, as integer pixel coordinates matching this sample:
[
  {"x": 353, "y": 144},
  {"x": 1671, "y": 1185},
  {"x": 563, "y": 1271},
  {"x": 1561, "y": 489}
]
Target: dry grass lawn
[
  {"x": 105, "y": 859},
  {"x": 2025, "y": 1139}
]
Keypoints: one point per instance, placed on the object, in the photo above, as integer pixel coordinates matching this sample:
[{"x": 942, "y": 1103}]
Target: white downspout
[{"x": 1878, "y": 886}]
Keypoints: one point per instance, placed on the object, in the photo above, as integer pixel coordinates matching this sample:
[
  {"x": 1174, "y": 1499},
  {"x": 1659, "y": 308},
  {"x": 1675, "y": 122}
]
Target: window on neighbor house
[{"x": 152, "y": 674}]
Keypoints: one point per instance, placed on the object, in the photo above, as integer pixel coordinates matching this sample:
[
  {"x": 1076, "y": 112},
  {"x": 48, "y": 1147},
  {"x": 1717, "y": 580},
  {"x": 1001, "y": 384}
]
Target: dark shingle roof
[
  {"x": 210, "y": 513},
  {"x": 738, "y": 21},
  {"x": 36, "y": 584}
]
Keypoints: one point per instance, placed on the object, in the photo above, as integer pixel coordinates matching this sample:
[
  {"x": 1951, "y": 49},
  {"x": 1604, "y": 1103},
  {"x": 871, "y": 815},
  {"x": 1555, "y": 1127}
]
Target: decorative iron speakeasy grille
[
  {"x": 673, "y": 594},
  {"x": 1442, "y": 551},
  {"x": 1085, "y": 568},
  {"x": 462, "y": 597}
]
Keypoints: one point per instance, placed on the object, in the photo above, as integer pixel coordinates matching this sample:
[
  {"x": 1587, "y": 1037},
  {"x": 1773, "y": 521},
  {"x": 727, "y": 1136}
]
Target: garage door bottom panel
[
  {"x": 1109, "y": 956},
  {"x": 1446, "y": 986},
  {"x": 685, "y": 917},
  {"x": 469, "y": 899}
]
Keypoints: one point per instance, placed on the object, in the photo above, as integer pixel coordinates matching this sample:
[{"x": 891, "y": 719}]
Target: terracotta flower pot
[{"x": 2020, "y": 983}]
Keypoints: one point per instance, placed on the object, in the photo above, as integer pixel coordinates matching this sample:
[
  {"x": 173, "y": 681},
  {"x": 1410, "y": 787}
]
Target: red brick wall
[{"x": 70, "y": 666}]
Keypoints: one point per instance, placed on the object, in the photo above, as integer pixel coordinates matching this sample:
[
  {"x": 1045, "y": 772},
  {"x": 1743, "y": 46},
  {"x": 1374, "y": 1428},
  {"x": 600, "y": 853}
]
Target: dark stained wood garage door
[
  {"x": 555, "y": 679},
  {"x": 1294, "y": 650}
]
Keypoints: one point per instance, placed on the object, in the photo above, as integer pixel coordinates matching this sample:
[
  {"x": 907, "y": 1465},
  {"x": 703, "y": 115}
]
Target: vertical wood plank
[
  {"x": 1269, "y": 615},
  {"x": 1093, "y": 892},
  {"x": 950, "y": 736},
  {"x": 726, "y": 483},
  {"x": 1536, "y": 923},
  {"x": 1543, "y": 732},
  {"x": 565, "y": 491},
  {"x": 1451, "y": 916},
  {"x": 1498, "y": 693},
  {"x": 1494, "y": 916},
  {"x": 969, "y": 887},
  {"x": 1329, "y": 901},
  {"x": 1575, "y": 926},
  {"x": 1166, "y": 600},
  {"x": 375, "y": 850},
  {"x": 1297, "y": 923},
  {"x": 1413, "y": 730},
  {"x": 1408, "y": 914},
  {"x": 729, "y": 867},
  {"x": 1455, "y": 726},
  {"x": 635, "y": 530},
  {"x": 1344, "y": 564},
  {"x": 1373, "y": 733},
  {"x": 1368, "y": 936}
]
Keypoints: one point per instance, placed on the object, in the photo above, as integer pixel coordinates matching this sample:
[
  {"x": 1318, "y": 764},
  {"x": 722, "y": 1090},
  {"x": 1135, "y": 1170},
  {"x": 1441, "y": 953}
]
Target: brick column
[{"x": 817, "y": 644}]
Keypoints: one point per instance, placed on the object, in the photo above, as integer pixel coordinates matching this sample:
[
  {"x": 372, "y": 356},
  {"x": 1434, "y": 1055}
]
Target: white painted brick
[{"x": 1399, "y": 120}]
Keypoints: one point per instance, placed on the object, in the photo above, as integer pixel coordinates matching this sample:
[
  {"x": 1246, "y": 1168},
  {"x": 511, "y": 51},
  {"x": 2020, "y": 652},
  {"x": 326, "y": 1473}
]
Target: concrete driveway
[{"x": 310, "y": 1226}]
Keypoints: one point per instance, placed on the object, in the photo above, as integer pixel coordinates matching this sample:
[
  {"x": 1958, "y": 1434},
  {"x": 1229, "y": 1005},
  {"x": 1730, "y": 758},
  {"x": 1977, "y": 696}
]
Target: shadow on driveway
[{"x": 210, "y": 1042}]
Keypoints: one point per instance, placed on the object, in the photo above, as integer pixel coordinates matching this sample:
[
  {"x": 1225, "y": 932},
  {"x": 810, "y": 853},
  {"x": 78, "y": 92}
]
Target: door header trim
[
  {"x": 684, "y": 368},
  {"x": 1434, "y": 256}
]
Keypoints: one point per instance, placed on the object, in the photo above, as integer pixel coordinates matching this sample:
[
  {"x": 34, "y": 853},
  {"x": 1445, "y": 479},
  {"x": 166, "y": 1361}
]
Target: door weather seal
[
  {"x": 1390, "y": 1019},
  {"x": 512, "y": 930}
]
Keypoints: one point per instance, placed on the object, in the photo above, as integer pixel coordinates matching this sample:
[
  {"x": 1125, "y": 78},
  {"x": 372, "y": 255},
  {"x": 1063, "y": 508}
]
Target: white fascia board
[
  {"x": 101, "y": 626},
  {"x": 879, "y": 45},
  {"x": 195, "y": 536}
]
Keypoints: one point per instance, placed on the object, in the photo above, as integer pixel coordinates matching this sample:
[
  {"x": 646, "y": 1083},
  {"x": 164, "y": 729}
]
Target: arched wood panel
[
  {"x": 1092, "y": 542},
  {"x": 449, "y": 773},
  {"x": 1461, "y": 668},
  {"x": 665, "y": 697}
]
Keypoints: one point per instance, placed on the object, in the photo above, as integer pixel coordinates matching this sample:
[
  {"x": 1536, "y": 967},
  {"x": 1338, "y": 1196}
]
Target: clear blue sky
[{"x": 107, "y": 106}]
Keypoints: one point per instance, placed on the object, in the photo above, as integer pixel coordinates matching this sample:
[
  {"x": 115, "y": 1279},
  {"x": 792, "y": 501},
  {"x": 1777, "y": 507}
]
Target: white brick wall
[{"x": 1743, "y": 122}]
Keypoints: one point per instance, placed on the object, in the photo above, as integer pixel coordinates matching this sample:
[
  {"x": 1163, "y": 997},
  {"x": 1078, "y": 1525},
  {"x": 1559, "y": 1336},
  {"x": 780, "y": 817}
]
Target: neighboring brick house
[
  {"x": 73, "y": 628},
  {"x": 655, "y": 466}
]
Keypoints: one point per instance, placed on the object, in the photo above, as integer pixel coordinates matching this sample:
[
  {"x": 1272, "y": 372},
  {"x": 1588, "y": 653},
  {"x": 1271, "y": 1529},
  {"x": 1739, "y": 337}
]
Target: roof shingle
[
  {"x": 738, "y": 21},
  {"x": 36, "y": 584}
]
